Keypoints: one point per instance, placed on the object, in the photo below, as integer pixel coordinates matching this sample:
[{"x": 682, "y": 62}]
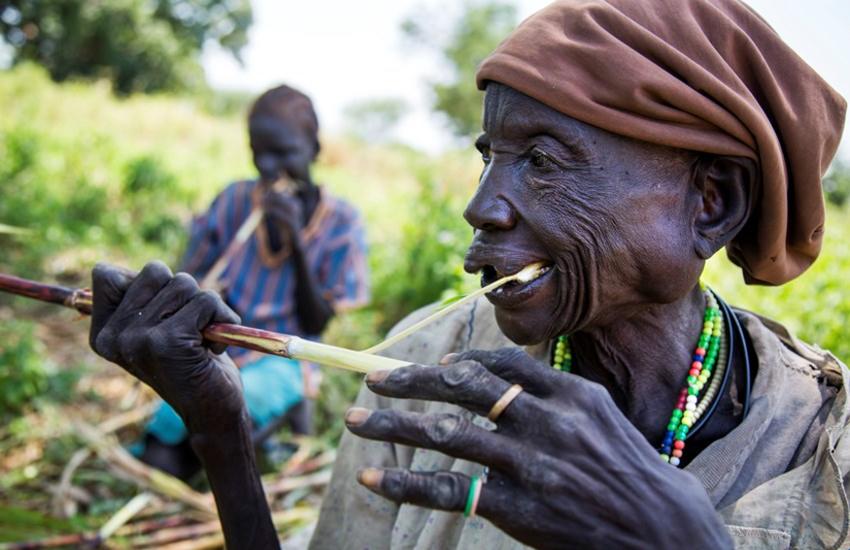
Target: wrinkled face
[
  {"x": 281, "y": 148},
  {"x": 612, "y": 216}
]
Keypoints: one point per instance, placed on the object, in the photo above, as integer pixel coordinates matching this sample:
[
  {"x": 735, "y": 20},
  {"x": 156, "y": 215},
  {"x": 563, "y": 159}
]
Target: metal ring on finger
[{"x": 502, "y": 403}]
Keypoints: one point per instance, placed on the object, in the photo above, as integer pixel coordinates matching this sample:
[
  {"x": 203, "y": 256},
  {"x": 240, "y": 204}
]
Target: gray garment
[{"x": 779, "y": 479}]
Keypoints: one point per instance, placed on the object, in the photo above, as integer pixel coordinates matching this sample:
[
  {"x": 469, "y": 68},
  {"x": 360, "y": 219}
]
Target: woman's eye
[{"x": 539, "y": 159}]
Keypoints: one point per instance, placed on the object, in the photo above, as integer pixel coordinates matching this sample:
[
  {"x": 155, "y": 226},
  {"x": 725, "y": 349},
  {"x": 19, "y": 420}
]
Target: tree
[
  {"x": 140, "y": 45},
  {"x": 471, "y": 38}
]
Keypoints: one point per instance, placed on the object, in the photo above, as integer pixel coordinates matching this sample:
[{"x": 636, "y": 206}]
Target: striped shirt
[{"x": 263, "y": 294}]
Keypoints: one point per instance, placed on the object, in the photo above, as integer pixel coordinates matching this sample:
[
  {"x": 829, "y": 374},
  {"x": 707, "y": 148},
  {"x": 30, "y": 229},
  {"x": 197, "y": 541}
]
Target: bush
[
  {"x": 427, "y": 261},
  {"x": 94, "y": 178},
  {"x": 22, "y": 372},
  {"x": 142, "y": 46}
]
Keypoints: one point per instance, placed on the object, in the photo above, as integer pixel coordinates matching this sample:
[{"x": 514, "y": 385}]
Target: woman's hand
[
  {"x": 151, "y": 326},
  {"x": 285, "y": 211},
  {"x": 566, "y": 468}
]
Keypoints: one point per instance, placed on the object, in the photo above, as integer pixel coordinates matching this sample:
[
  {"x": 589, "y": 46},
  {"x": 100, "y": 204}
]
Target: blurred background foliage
[
  {"x": 138, "y": 45},
  {"x": 86, "y": 176},
  {"x": 461, "y": 44}
]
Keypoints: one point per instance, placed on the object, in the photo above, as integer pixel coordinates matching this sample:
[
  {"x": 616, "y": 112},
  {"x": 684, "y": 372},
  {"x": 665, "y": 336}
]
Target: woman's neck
[{"x": 643, "y": 360}]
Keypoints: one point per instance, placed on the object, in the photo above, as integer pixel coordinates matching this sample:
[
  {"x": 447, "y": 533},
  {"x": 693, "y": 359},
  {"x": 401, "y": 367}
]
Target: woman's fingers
[
  {"x": 109, "y": 284},
  {"x": 513, "y": 365},
  {"x": 447, "y": 433},
  {"x": 205, "y": 307},
  {"x": 438, "y": 490},
  {"x": 466, "y": 383},
  {"x": 147, "y": 284},
  {"x": 174, "y": 295},
  {"x": 114, "y": 323}
]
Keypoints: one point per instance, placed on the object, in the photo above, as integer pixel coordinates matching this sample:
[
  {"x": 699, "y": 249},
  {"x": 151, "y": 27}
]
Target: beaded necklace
[{"x": 710, "y": 352}]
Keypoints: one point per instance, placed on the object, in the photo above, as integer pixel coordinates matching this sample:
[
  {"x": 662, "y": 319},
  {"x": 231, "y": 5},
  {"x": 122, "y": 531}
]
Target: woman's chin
[
  {"x": 520, "y": 329},
  {"x": 532, "y": 322}
]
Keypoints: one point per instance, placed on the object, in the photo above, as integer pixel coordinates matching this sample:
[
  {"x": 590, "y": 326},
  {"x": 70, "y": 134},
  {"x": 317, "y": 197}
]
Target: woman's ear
[{"x": 725, "y": 186}]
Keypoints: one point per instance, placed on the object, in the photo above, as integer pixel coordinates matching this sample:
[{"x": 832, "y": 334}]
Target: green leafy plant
[
  {"x": 140, "y": 45},
  {"x": 22, "y": 372}
]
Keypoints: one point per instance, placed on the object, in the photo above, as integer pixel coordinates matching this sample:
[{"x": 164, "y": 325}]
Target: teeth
[{"x": 531, "y": 272}]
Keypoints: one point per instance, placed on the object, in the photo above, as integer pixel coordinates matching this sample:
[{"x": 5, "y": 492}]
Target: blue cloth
[{"x": 272, "y": 385}]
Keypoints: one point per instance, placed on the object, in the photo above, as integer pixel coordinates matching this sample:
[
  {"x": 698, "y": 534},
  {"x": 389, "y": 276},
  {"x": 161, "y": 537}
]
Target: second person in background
[{"x": 305, "y": 261}]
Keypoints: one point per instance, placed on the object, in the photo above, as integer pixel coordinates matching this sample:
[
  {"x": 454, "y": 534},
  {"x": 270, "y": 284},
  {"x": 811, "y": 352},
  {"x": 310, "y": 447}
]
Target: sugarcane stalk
[
  {"x": 146, "y": 477},
  {"x": 125, "y": 514},
  {"x": 527, "y": 274},
  {"x": 245, "y": 231},
  {"x": 274, "y": 343},
  {"x": 76, "y": 540},
  {"x": 210, "y": 280},
  {"x": 146, "y": 526}
]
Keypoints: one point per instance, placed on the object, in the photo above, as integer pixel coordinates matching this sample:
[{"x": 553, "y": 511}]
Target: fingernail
[
  {"x": 356, "y": 416},
  {"x": 376, "y": 376},
  {"x": 448, "y": 358},
  {"x": 370, "y": 477}
]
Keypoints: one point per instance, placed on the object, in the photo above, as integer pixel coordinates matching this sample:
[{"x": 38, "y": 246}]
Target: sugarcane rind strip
[{"x": 527, "y": 274}]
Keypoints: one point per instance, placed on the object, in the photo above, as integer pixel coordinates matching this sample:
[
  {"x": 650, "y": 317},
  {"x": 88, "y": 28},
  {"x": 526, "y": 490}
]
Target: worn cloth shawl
[{"x": 704, "y": 75}]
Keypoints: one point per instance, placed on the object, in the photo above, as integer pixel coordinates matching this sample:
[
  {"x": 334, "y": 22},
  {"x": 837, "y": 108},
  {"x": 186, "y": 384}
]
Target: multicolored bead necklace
[
  {"x": 710, "y": 352},
  {"x": 705, "y": 358},
  {"x": 562, "y": 358}
]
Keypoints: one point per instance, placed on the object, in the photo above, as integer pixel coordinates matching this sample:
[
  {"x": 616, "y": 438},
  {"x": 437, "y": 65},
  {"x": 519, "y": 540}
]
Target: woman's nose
[
  {"x": 489, "y": 211},
  {"x": 266, "y": 164}
]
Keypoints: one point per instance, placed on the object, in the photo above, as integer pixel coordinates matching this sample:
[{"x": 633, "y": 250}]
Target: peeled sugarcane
[
  {"x": 245, "y": 231},
  {"x": 211, "y": 279},
  {"x": 265, "y": 341}
]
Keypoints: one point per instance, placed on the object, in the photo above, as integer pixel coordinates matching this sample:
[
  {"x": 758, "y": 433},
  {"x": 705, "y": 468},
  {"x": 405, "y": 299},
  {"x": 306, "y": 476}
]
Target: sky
[{"x": 340, "y": 52}]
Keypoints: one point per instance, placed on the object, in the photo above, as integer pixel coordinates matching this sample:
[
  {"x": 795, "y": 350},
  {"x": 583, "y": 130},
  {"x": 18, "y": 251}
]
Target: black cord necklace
[{"x": 748, "y": 381}]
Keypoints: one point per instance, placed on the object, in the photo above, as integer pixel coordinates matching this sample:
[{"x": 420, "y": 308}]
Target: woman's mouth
[{"x": 514, "y": 293}]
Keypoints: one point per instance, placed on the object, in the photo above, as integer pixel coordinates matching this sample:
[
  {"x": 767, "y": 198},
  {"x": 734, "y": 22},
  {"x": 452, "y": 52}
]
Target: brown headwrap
[{"x": 704, "y": 75}]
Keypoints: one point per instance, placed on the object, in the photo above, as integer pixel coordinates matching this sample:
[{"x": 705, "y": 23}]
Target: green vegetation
[
  {"x": 139, "y": 45},
  {"x": 816, "y": 306},
  {"x": 22, "y": 374},
  {"x": 92, "y": 178},
  {"x": 478, "y": 30},
  {"x": 86, "y": 177}
]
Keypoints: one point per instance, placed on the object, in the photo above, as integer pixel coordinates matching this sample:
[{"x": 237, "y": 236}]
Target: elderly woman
[{"x": 624, "y": 144}]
